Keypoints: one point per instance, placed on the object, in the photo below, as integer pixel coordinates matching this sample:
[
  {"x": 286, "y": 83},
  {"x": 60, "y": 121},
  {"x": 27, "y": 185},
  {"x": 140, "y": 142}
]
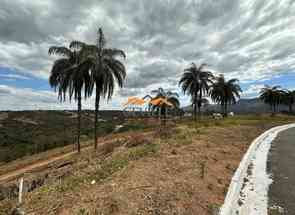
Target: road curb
[{"x": 231, "y": 204}]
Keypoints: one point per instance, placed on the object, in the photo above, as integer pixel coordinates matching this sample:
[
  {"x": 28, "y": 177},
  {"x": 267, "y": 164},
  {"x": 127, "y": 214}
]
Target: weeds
[
  {"x": 143, "y": 151},
  {"x": 136, "y": 140},
  {"x": 120, "y": 161},
  {"x": 213, "y": 209},
  {"x": 83, "y": 211}
]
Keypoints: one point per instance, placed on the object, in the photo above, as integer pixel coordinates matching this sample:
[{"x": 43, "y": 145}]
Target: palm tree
[
  {"x": 196, "y": 82},
  {"x": 69, "y": 75},
  {"x": 106, "y": 70},
  {"x": 288, "y": 98},
  {"x": 225, "y": 92},
  {"x": 273, "y": 96},
  {"x": 169, "y": 96}
]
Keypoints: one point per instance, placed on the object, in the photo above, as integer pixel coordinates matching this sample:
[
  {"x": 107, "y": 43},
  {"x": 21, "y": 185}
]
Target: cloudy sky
[{"x": 253, "y": 40}]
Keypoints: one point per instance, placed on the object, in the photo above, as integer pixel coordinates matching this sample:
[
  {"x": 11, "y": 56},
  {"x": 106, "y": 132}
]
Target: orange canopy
[
  {"x": 160, "y": 102},
  {"x": 134, "y": 101}
]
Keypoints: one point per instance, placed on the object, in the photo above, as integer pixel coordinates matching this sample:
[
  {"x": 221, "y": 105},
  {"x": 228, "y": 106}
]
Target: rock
[{"x": 17, "y": 211}]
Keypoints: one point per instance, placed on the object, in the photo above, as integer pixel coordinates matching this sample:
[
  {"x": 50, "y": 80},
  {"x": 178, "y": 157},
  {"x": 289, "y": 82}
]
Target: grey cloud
[
  {"x": 153, "y": 73},
  {"x": 4, "y": 91},
  {"x": 246, "y": 39},
  {"x": 38, "y": 20}
]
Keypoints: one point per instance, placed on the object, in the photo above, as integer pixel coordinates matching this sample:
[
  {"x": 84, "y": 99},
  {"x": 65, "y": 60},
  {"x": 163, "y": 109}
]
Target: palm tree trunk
[
  {"x": 79, "y": 121},
  {"x": 225, "y": 109},
  {"x": 222, "y": 108},
  {"x": 200, "y": 105},
  {"x": 195, "y": 111},
  {"x": 165, "y": 115},
  {"x": 97, "y": 98},
  {"x": 290, "y": 108}
]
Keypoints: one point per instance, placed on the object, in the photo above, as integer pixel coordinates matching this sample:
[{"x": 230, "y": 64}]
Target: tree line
[
  {"x": 276, "y": 96},
  {"x": 85, "y": 69}
]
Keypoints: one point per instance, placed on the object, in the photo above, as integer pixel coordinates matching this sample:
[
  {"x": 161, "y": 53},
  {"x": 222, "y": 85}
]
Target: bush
[
  {"x": 108, "y": 148},
  {"x": 165, "y": 132},
  {"x": 136, "y": 140},
  {"x": 143, "y": 151}
]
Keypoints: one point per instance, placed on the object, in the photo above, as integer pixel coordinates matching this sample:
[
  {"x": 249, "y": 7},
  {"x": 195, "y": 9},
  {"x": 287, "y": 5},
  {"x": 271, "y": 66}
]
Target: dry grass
[{"x": 185, "y": 172}]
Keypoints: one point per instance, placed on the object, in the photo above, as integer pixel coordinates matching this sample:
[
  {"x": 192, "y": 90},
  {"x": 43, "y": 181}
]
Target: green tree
[
  {"x": 273, "y": 96},
  {"x": 225, "y": 92},
  {"x": 288, "y": 98},
  {"x": 105, "y": 69},
  {"x": 169, "y": 96},
  {"x": 70, "y": 75},
  {"x": 196, "y": 82}
]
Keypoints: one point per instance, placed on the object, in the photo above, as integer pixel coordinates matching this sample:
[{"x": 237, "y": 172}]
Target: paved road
[{"x": 281, "y": 165}]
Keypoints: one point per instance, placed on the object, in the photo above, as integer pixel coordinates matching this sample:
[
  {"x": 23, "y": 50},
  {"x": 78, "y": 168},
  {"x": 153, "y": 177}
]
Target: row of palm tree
[
  {"x": 275, "y": 96},
  {"x": 198, "y": 82},
  {"x": 84, "y": 67}
]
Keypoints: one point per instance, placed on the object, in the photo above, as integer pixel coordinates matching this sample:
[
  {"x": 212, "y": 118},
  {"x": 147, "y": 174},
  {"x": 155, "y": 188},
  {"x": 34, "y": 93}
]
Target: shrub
[
  {"x": 136, "y": 140},
  {"x": 142, "y": 151},
  {"x": 109, "y": 147}
]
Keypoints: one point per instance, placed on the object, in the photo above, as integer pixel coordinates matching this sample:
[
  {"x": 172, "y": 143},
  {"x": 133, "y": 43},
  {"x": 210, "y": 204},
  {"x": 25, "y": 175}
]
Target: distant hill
[
  {"x": 243, "y": 106},
  {"x": 29, "y": 132}
]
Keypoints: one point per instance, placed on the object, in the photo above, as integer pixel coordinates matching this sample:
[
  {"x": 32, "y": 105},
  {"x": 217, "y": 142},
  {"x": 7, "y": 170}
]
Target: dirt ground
[{"x": 183, "y": 170}]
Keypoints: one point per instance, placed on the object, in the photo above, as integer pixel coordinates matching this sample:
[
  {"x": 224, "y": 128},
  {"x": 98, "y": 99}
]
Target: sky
[{"x": 252, "y": 40}]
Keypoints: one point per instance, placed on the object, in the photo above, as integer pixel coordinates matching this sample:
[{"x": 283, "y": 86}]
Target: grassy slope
[
  {"x": 183, "y": 170},
  {"x": 29, "y": 132}
]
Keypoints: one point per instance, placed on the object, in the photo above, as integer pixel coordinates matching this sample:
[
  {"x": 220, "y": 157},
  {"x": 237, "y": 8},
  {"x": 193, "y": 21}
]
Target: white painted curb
[{"x": 231, "y": 205}]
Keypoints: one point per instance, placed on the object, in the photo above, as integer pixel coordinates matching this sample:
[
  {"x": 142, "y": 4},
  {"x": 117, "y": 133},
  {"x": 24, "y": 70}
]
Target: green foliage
[
  {"x": 118, "y": 162},
  {"x": 180, "y": 137},
  {"x": 83, "y": 211},
  {"x": 110, "y": 167},
  {"x": 195, "y": 82},
  {"x": 143, "y": 151},
  {"x": 30, "y": 132},
  {"x": 225, "y": 92},
  {"x": 213, "y": 209}
]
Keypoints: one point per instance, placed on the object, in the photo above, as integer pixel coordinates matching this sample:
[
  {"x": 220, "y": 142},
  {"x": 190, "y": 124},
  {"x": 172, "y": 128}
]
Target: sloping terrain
[
  {"x": 243, "y": 106},
  {"x": 23, "y": 133},
  {"x": 182, "y": 169}
]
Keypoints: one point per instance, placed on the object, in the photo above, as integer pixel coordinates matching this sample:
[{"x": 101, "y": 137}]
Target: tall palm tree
[
  {"x": 170, "y": 96},
  {"x": 288, "y": 98},
  {"x": 273, "y": 96},
  {"x": 225, "y": 92},
  {"x": 69, "y": 75},
  {"x": 106, "y": 70},
  {"x": 196, "y": 82}
]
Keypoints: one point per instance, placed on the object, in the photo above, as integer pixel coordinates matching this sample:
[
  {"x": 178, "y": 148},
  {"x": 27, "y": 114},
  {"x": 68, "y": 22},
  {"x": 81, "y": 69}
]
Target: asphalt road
[{"x": 281, "y": 164}]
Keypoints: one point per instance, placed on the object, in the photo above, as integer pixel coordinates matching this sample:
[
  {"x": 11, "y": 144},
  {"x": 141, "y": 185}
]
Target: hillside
[
  {"x": 184, "y": 168},
  {"x": 29, "y": 132},
  {"x": 243, "y": 106}
]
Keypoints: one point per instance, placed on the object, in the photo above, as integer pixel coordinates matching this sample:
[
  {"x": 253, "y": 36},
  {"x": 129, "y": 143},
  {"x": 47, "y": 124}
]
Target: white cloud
[
  {"x": 13, "y": 77},
  {"x": 13, "y": 98},
  {"x": 252, "y": 90},
  {"x": 245, "y": 39}
]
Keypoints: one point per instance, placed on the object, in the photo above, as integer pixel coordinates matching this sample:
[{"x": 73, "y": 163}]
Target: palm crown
[
  {"x": 225, "y": 92},
  {"x": 272, "y": 96},
  {"x": 105, "y": 69},
  {"x": 69, "y": 74},
  {"x": 196, "y": 82}
]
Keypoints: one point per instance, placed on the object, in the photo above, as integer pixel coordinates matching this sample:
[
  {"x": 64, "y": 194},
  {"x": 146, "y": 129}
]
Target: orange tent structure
[
  {"x": 135, "y": 101},
  {"x": 161, "y": 102}
]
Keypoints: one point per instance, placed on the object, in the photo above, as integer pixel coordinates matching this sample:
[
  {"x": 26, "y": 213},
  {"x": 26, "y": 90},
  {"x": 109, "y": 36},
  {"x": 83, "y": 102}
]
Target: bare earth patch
[{"x": 187, "y": 172}]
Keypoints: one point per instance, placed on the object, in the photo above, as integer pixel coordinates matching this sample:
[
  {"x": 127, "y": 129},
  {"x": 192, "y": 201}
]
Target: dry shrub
[
  {"x": 109, "y": 147},
  {"x": 137, "y": 140},
  {"x": 165, "y": 132}
]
